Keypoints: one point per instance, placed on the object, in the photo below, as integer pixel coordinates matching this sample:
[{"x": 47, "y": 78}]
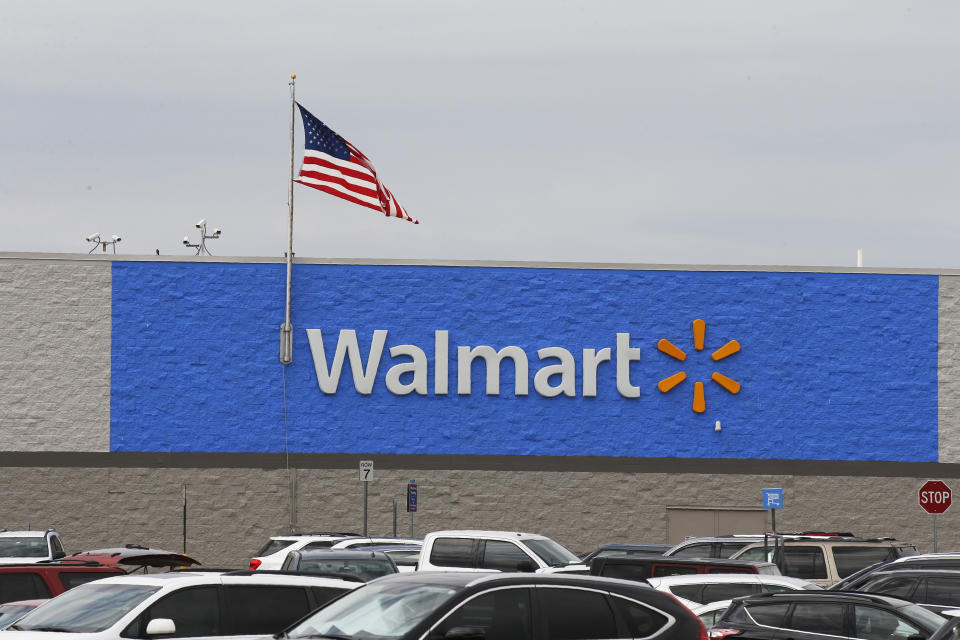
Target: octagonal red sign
[{"x": 935, "y": 496}]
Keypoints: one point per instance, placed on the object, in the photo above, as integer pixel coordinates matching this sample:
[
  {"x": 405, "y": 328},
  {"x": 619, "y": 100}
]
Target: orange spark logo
[{"x": 699, "y": 334}]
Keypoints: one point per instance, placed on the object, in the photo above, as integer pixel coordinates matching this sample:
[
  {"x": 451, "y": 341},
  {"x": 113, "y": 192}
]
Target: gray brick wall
[
  {"x": 948, "y": 365},
  {"x": 231, "y": 512},
  {"x": 55, "y": 355}
]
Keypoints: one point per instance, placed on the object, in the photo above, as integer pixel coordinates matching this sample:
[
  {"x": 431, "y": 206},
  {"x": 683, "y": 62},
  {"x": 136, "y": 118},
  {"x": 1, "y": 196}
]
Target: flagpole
[{"x": 286, "y": 331}]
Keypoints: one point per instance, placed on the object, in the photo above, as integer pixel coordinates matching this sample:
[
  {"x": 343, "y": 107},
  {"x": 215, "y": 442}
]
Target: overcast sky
[{"x": 737, "y": 132}]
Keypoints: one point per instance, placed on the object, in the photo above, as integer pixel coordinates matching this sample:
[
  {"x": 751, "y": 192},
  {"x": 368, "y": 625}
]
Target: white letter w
[{"x": 346, "y": 345}]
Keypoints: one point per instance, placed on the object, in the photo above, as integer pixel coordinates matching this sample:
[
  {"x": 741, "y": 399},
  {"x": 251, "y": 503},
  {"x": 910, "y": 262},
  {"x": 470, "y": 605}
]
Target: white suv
[
  {"x": 178, "y": 604},
  {"x": 274, "y": 552},
  {"x": 29, "y": 547}
]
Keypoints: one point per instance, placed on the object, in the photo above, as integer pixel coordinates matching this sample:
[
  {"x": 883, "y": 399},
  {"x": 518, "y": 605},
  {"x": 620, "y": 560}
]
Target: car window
[
  {"x": 262, "y": 609},
  {"x": 820, "y": 617},
  {"x": 771, "y": 615},
  {"x": 55, "y": 545},
  {"x": 899, "y": 587},
  {"x": 876, "y": 624},
  {"x": 943, "y": 590},
  {"x": 22, "y": 586},
  {"x": 71, "y": 579},
  {"x": 89, "y": 608},
  {"x": 24, "y": 547},
  {"x": 324, "y": 595},
  {"x": 365, "y": 569},
  {"x": 661, "y": 570},
  {"x": 195, "y": 611},
  {"x": 641, "y": 620},
  {"x": 688, "y": 591},
  {"x": 503, "y": 614},
  {"x": 272, "y": 546},
  {"x": 576, "y": 614},
  {"x": 703, "y": 550},
  {"x": 319, "y": 544},
  {"x": 728, "y": 591},
  {"x": 505, "y": 556},
  {"x": 727, "y": 549},
  {"x": 804, "y": 562},
  {"x": 773, "y": 588},
  {"x": 850, "y": 559},
  {"x": 756, "y": 554},
  {"x": 452, "y": 552}
]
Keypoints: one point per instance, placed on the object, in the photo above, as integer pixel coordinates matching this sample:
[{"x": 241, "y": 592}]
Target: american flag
[{"x": 333, "y": 165}]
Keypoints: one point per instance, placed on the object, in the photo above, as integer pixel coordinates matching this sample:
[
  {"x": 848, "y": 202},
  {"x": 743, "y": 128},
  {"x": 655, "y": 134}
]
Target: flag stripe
[
  {"x": 312, "y": 182},
  {"x": 351, "y": 168},
  {"x": 333, "y": 191},
  {"x": 324, "y": 173}
]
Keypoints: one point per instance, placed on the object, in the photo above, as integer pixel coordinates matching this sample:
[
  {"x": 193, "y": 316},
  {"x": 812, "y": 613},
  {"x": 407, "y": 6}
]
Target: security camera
[
  {"x": 116, "y": 238},
  {"x": 216, "y": 233},
  {"x": 201, "y": 223},
  {"x": 186, "y": 240},
  {"x": 93, "y": 237}
]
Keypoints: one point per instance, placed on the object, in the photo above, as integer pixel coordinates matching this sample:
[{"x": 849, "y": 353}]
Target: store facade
[{"x": 593, "y": 403}]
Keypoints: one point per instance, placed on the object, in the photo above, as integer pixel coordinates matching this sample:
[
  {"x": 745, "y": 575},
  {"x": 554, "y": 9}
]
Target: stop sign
[{"x": 935, "y": 496}]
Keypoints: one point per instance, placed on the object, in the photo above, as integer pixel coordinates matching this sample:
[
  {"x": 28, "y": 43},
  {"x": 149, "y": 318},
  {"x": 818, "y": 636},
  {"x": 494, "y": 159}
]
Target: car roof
[
  {"x": 920, "y": 571},
  {"x": 717, "y": 578},
  {"x": 187, "y": 578},
  {"x": 638, "y": 559},
  {"x": 468, "y": 579},
  {"x": 25, "y": 534},
  {"x": 394, "y": 547},
  {"x": 855, "y": 596},
  {"x": 343, "y": 554},
  {"x": 481, "y": 533}
]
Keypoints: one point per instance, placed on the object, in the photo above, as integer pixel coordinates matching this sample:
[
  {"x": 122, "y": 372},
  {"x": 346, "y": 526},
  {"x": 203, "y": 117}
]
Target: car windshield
[
  {"x": 10, "y": 613},
  {"x": 32, "y": 547},
  {"x": 381, "y": 611},
  {"x": 553, "y": 553},
  {"x": 88, "y": 608},
  {"x": 924, "y": 616}
]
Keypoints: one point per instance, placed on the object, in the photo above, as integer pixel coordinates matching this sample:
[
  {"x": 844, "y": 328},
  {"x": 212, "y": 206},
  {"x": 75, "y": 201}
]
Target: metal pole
[
  {"x": 365, "y": 484},
  {"x": 411, "y": 524},
  {"x": 286, "y": 331},
  {"x": 395, "y": 517},
  {"x": 935, "y": 546},
  {"x": 184, "y": 518}
]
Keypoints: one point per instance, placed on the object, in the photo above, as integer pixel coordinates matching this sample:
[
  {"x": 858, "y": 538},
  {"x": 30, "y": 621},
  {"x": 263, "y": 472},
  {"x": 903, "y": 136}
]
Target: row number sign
[
  {"x": 935, "y": 496},
  {"x": 366, "y": 470}
]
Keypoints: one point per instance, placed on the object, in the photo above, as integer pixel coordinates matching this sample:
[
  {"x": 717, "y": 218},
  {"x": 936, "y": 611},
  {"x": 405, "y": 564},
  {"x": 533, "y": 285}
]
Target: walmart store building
[{"x": 591, "y": 402}]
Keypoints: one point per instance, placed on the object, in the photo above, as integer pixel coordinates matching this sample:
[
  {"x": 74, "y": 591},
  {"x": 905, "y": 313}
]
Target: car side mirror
[
  {"x": 466, "y": 633},
  {"x": 526, "y": 566},
  {"x": 161, "y": 627}
]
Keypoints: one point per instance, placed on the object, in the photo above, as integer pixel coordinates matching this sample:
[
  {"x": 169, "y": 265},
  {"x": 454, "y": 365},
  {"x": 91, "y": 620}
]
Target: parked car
[
  {"x": 703, "y": 588},
  {"x": 816, "y": 615},
  {"x": 178, "y": 604},
  {"x": 46, "y": 580},
  {"x": 712, "y": 546},
  {"x": 13, "y": 611},
  {"x": 921, "y": 561},
  {"x": 480, "y": 551},
  {"x": 826, "y": 560},
  {"x": 625, "y": 549},
  {"x": 500, "y": 606},
  {"x": 22, "y": 547},
  {"x": 643, "y": 567},
  {"x": 346, "y": 564},
  {"x": 935, "y": 589},
  {"x": 272, "y": 554}
]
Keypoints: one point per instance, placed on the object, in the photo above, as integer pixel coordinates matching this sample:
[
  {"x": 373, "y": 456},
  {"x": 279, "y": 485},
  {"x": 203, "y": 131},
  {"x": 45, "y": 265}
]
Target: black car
[
  {"x": 925, "y": 561},
  {"x": 500, "y": 606},
  {"x": 346, "y": 564},
  {"x": 935, "y": 589},
  {"x": 816, "y": 615}
]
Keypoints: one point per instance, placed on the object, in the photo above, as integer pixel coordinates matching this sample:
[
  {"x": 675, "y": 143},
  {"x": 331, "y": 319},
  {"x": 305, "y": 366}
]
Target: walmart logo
[{"x": 699, "y": 338}]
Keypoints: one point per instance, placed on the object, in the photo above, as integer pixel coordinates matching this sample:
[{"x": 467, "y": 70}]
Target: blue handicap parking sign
[{"x": 772, "y": 498}]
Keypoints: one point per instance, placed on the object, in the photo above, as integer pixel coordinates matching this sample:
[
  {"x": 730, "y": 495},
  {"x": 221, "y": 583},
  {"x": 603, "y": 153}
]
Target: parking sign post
[
  {"x": 366, "y": 475},
  {"x": 411, "y": 501}
]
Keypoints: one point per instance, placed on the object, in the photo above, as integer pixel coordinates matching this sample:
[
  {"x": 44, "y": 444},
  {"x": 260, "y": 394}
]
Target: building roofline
[{"x": 517, "y": 264}]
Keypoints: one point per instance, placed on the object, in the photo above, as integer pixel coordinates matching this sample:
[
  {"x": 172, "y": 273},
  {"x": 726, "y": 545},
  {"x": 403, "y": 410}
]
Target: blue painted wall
[{"x": 833, "y": 366}]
